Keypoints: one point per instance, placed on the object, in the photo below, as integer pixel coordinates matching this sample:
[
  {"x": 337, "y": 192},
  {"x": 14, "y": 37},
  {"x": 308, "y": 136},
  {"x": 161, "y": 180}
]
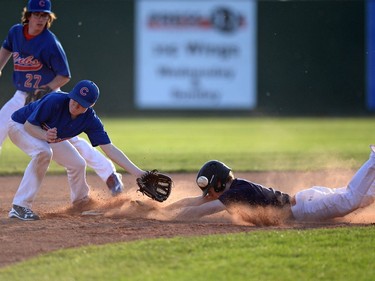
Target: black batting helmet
[{"x": 211, "y": 173}]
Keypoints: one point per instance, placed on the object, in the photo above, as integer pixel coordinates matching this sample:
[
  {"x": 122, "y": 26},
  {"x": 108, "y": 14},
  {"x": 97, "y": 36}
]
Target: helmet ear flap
[{"x": 220, "y": 186}]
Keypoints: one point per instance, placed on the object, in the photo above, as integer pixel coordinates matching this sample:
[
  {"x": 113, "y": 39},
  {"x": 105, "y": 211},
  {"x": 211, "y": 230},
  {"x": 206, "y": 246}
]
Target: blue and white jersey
[
  {"x": 53, "y": 111},
  {"x": 36, "y": 61}
]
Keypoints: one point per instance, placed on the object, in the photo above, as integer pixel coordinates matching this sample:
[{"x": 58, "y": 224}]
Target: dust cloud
[{"x": 132, "y": 204}]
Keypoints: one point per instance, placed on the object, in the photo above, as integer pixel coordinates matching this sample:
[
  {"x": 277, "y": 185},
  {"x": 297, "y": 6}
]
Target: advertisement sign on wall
[{"x": 195, "y": 54}]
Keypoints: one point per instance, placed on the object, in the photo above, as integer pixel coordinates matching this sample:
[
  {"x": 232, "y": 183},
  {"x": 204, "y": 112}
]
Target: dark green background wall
[{"x": 311, "y": 58}]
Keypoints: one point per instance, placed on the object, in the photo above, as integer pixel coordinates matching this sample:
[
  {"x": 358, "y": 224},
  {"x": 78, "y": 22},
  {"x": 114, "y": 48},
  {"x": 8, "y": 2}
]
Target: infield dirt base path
[{"x": 132, "y": 216}]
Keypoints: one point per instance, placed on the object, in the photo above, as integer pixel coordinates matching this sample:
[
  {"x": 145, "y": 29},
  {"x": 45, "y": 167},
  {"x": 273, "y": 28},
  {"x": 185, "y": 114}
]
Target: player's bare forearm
[
  {"x": 186, "y": 202},
  {"x": 191, "y": 213},
  {"x": 187, "y": 213},
  {"x": 196, "y": 212},
  {"x": 58, "y": 82},
  {"x": 4, "y": 57},
  {"x": 119, "y": 157},
  {"x": 49, "y": 135}
]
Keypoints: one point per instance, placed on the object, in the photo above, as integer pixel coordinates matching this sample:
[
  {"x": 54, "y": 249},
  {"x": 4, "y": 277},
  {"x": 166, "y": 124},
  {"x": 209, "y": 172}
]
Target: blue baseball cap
[
  {"x": 86, "y": 93},
  {"x": 43, "y": 6}
]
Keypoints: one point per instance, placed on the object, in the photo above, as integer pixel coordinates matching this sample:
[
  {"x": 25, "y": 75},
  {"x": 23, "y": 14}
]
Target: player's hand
[
  {"x": 51, "y": 135},
  {"x": 42, "y": 91}
]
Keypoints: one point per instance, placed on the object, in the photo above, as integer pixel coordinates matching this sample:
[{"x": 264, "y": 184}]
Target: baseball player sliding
[
  {"x": 42, "y": 130},
  {"x": 39, "y": 66},
  {"x": 222, "y": 191}
]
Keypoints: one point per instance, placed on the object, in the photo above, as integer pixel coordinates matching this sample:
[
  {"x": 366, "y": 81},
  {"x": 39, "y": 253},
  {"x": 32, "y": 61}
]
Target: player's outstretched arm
[
  {"x": 196, "y": 212},
  {"x": 186, "y": 202},
  {"x": 4, "y": 57},
  {"x": 119, "y": 157}
]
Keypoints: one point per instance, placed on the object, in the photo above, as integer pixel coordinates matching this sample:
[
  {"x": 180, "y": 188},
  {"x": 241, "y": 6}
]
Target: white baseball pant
[
  {"x": 96, "y": 160},
  {"x": 41, "y": 154},
  {"x": 321, "y": 203}
]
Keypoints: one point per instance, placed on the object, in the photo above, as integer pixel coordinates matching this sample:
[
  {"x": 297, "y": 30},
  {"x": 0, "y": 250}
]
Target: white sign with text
[{"x": 195, "y": 54}]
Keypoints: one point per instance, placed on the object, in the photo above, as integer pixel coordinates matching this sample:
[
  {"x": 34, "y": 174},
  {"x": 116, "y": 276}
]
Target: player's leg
[
  {"x": 40, "y": 153},
  {"x": 67, "y": 156},
  {"x": 369, "y": 197},
  {"x": 331, "y": 203},
  {"x": 363, "y": 181},
  {"x": 371, "y": 191},
  {"x": 101, "y": 165},
  {"x": 15, "y": 103},
  {"x": 96, "y": 160}
]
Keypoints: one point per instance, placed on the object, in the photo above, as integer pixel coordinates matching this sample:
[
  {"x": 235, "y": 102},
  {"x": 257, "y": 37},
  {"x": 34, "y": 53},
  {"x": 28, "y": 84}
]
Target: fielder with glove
[
  {"x": 155, "y": 185},
  {"x": 40, "y": 130}
]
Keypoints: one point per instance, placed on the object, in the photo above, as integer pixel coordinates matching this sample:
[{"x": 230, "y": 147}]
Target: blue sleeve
[
  {"x": 44, "y": 109},
  {"x": 231, "y": 196},
  {"x": 99, "y": 138},
  {"x": 96, "y": 133},
  {"x": 59, "y": 61}
]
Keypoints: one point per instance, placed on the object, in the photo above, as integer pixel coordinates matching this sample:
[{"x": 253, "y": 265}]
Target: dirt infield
[{"x": 133, "y": 216}]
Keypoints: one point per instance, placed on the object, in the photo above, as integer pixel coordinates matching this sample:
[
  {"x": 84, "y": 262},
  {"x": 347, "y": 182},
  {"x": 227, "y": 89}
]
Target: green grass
[
  {"x": 246, "y": 144},
  {"x": 346, "y": 253}
]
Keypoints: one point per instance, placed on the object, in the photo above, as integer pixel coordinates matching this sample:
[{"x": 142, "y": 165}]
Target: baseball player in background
[
  {"x": 39, "y": 66},
  {"x": 42, "y": 130},
  {"x": 222, "y": 191}
]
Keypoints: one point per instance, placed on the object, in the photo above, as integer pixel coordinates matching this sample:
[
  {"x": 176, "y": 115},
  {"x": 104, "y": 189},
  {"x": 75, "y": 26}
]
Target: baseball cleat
[
  {"x": 114, "y": 183},
  {"x": 23, "y": 213}
]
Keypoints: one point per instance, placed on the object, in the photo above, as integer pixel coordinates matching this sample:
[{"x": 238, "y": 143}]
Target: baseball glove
[
  {"x": 155, "y": 185},
  {"x": 37, "y": 94}
]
